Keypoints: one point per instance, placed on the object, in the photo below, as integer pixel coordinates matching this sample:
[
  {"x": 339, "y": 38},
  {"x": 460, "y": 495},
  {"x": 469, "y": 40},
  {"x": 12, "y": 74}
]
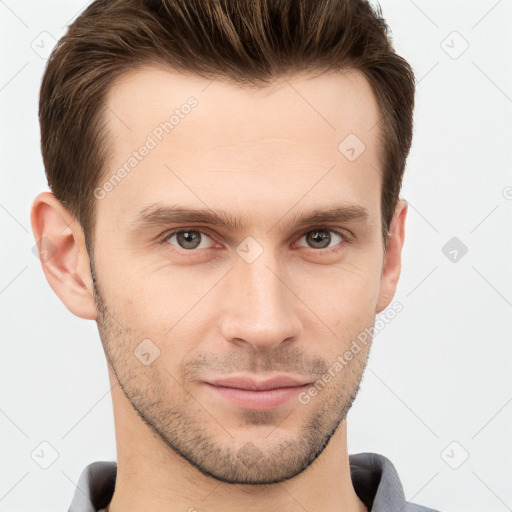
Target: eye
[
  {"x": 321, "y": 238},
  {"x": 317, "y": 240},
  {"x": 188, "y": 239}
]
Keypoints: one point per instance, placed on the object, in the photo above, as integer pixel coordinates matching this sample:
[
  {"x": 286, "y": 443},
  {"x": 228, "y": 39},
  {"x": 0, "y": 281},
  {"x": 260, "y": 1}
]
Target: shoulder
[{"x": 378, "y": 485}]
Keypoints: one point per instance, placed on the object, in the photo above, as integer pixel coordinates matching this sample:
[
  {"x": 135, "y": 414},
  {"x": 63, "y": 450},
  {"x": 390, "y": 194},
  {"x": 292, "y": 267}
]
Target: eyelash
[{"x": 346, "y": 239}]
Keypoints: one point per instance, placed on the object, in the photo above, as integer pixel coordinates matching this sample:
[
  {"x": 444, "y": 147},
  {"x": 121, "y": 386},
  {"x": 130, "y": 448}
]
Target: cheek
[
  {"x": 348, "y": 301},
  {"x": 151, "y": 294},
  {"x": 349, "y": 287}
]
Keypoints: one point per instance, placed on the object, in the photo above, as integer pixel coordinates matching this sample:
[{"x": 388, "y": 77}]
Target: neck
[{"x": 151, "y": 476}]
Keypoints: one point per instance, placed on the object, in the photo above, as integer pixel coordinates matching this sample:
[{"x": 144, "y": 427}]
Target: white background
[{"x": 439, "y": 372}]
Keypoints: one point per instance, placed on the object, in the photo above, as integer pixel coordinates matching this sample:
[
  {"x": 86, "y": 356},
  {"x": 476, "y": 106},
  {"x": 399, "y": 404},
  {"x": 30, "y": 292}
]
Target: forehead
[
  {"x": 333, "y": 102},
  {"x": 210, "y": 138}
]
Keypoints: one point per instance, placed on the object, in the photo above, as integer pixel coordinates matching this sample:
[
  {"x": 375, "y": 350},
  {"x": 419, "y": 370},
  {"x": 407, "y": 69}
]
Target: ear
[
  {"x": 393, "y": 257},
  {"x": 63, "y": 254}
]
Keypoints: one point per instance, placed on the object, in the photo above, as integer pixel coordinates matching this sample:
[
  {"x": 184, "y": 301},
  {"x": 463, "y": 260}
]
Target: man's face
[{"x": 263, "y": 298}]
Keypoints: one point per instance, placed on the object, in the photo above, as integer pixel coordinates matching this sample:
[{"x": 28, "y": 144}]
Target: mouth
[{"x": 248, "y": 393}]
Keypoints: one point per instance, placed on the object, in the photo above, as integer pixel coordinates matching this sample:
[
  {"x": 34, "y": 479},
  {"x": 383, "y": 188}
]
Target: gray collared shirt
[{"x": 374, "y": 478}]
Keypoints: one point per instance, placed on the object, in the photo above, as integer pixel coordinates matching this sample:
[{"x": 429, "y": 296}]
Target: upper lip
[{"x": 280, "y": 381}]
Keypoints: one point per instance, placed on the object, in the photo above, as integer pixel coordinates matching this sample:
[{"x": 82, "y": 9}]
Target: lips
[
  {"x": 248, "y": 383},
  {"x": 250, "y": 393}
]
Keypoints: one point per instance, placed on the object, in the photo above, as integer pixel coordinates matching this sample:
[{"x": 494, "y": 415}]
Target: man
[{"x": 225, "y": 204}]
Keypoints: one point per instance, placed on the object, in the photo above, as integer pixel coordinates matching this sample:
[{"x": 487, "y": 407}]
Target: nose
[{"x": 260, "y": 308}]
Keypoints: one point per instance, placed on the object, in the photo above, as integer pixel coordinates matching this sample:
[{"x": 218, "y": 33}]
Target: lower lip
[{"x": 257, "y": 400}]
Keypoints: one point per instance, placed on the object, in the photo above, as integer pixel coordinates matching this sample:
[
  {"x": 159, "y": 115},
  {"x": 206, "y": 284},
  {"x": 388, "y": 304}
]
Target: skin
[{"x": 264, "y": 155}]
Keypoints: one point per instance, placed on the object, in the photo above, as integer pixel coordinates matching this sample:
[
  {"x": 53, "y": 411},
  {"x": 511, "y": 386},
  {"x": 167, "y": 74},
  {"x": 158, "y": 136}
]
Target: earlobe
[
  {"x": 63, "y": 254},
  {"x": 393, "y": 258}
]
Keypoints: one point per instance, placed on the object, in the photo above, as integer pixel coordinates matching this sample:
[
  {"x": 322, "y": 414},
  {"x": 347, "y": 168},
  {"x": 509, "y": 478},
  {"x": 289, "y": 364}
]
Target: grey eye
[
  {"x": 320, "y": 238},
  {"x": 188, "y": 239}
]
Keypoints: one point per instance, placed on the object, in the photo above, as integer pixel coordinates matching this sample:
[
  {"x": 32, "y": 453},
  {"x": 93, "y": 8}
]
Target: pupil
[
  {"x": 186, "y": 239},
  {"x": 318, "y": 237}
]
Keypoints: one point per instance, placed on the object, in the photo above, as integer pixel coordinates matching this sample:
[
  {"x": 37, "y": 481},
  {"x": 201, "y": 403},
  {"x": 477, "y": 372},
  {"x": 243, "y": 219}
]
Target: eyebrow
[{"x": 158, "y": 215}]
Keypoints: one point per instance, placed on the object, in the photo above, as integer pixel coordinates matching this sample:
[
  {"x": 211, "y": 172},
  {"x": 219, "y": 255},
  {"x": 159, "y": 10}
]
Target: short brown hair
[{"x": 248, "y": 42}]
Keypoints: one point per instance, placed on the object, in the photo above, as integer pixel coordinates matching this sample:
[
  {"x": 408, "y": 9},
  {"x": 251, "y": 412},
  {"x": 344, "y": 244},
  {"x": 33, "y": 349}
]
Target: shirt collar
[{"x": 374, "y": 478}]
